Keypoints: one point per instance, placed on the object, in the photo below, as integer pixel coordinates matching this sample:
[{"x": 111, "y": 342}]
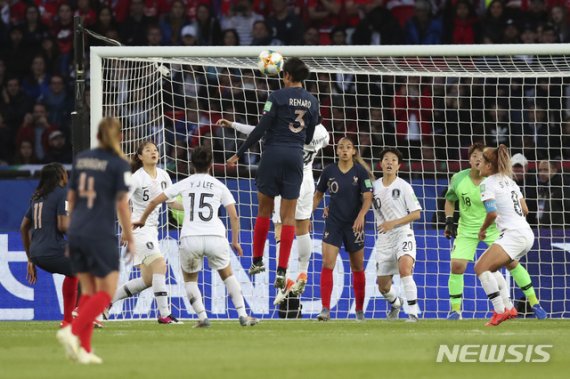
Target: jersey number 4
[
  {"x": 202, "y": 205},
  {"x": 87, "y": 189}
]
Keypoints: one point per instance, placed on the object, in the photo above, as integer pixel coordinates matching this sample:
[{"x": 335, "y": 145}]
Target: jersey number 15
[{"x": 203, "y": 205}]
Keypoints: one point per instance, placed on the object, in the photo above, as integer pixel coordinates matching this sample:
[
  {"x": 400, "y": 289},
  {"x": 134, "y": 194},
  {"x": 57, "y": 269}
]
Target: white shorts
[
  {"x": 390, "y": 247},
  {"x": 193, "y": 249},
  {"x": 516, "y": 242},
  {"x": 146, "y": 245},
  {"x": 304, "y": 202}
]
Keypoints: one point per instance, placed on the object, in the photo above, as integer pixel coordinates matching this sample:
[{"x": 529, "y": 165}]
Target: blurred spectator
[
  {"x": 34, "y": 30},
  {"x": 50, "y": 53},
  {"x": 208, "y": 27},
  {"x": 553, "y": 197},
  {"x": 188, "y": 35},
  {"x": 241, "y": 18},
  {"x": 511, "y": 32},
  {"x": 133, "y": 30},
  {"x": 2, "y": 74},
  {"x": 171, "y": 25},
  {"x": 382, "y": 134},
  {"x": 378, "y": 27},
  {"x": 36, "y": 84},
  {"x": 311, "y": 36},
  {"x": 528, "y": 34},
  {"x": 493, "y": 23},
  {"x": 87, "y": 13},
  {"x": 541, "y": 137},
  {"x": 497, "y": 128},
  {"x": 525, "y": 181},
  {"x": 423, "y": 28},
  {"x": 63, "y": 31},
  {"x": 58, "y": 150},
  {"x": 16, "y": 55},
  {"x": 325, "y": 15},
  {"x": 6, "y": 142},
  {"x": 284, "y": 24},
  {"x": 402, "y": 10},
  {"x": 25, "y": 153},
  {"x": 36, "y": 129},
  {"x": 105, "y": 21},
  {"x": 559, "y": 19},
  {"x": 48, "y": 10},
  {"x": 537, "y": 13},
  {"x": 14, "y": 103},
  {"x": 230, "y": 37},
  {"x": 463, "y": 26},
  {"x": 57, "y": 101},
  {"x": 547, "y": 34},
  {"x": 153, "y": 35},
  {"x": 262, "y": 35},
  {"x": 338, "y": 36},
  {"x": 412, "y": 111}
]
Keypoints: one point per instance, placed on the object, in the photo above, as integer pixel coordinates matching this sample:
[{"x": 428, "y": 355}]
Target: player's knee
[
  {"x": 457, "y": 267},
  {"x": 406, "y": 271},
  {"x": 479, "y": 268},
  {"x": 384, "y": 286}
]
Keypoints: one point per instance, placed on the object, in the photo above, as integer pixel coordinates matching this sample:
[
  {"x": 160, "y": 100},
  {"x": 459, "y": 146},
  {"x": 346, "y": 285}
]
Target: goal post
[{"x": 431, "y": 102}]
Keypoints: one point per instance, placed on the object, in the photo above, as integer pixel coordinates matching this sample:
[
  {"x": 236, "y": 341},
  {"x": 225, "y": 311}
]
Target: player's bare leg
[
  {"x": 234, "y": 291},
  {"x": 522, "y": 279}
]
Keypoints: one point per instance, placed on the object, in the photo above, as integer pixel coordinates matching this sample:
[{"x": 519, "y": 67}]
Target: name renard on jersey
[
  {"x": 91, "y": 164},
  {"x": 300, "y": 103}
]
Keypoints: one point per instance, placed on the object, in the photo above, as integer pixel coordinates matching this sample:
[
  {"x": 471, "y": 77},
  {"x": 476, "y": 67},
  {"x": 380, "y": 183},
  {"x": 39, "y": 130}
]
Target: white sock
[
  {"x": 491, "y": 288},
  {"x": 195, "y": 297},
  {"x": 411, "y": 291},
  {"x": 130, "y": 288},
  {"x": 234, "y": 289},
  {"x": 392, "y": 298},
  {"x": 502, "y": 283},
  {"x": 277, "y": 246},
  {"x": 304, "y": 247},
  {"x": 161, "y": 294}
]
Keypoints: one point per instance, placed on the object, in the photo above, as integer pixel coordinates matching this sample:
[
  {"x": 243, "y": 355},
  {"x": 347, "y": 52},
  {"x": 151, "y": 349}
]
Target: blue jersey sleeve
[
  {"x": 61, "y": 208},
  {"x": 322, "y": 184},
  {"x": 122, "y": 176},
  {"x": 267, "y": 119},
  {"x": 364, "y": 179}
]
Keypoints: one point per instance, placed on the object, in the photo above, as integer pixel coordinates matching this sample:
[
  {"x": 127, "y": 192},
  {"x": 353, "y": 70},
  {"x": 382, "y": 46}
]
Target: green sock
[
  {"x": 455, "y": 285},
  {"x": 522, "y": 278}
]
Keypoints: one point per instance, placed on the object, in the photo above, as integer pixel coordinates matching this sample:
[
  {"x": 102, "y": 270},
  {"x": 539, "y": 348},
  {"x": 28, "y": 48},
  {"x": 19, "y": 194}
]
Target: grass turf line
[{"x": 278, "y": 349}]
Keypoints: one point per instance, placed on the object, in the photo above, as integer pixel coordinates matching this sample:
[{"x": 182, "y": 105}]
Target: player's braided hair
[
  {"x": 136, "y": 162},
  {"x": 358, "y": 159},
  {"x": 109, "y": 135},
  {"x": 500, "y": 159},
  {"x": 50, "y": 177}
]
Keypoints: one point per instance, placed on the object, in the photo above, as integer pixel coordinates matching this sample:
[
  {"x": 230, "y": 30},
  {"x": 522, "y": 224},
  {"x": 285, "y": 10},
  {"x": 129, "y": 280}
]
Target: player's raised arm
[{"x": 242, "y": 128}]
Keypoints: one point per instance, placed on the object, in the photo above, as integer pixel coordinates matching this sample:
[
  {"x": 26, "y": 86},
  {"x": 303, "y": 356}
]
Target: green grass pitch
[{"x": 280, "y": 349}]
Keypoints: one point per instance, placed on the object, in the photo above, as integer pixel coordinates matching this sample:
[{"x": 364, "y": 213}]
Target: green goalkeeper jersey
[{"x": 472, "y": 211}]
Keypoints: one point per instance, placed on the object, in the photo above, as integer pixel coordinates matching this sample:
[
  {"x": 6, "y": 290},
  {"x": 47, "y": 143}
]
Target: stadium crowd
[{"x": 36, "y": 69}]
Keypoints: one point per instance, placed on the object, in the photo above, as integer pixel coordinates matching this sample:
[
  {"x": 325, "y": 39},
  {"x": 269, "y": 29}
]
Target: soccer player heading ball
[
  {"x": 506, "y": 206},
  {"x": 287, "y": 124}
]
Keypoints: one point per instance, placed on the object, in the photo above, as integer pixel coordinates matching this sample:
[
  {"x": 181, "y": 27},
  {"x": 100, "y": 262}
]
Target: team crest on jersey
[
  {"x": 354, "y": 180},
  {"x": 150, "y": 245},
  {"x": 163, "y": 185},
  {"x": 326, "y": 235},
  {"x": 395, "y": 193}
]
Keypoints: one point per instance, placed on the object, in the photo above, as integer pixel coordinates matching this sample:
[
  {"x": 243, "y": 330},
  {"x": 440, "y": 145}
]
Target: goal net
[{"x": 431, "y": 102}]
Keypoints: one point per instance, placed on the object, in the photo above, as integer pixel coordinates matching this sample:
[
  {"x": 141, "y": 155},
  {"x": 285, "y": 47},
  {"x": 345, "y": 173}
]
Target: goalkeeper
[{"x": 464, "y": 188}]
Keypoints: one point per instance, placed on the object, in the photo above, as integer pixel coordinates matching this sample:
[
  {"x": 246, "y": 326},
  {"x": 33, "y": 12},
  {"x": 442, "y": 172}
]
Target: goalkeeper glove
[{"x": 450, "y": 228}]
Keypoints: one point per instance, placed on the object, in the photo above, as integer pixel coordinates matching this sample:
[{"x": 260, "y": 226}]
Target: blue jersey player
[
  {"x": 43, "y": 229},
  {"x": 99, "y": 185},
  {"x": 349, "y": 184},
  {"x": 288, "y": 123}
]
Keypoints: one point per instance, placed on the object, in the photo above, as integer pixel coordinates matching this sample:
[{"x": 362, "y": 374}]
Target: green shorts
[{"x": 464, "y": 247}]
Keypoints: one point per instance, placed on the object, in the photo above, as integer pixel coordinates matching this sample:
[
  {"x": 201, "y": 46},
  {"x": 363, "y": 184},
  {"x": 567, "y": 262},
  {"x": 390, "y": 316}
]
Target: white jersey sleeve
[
  {"x": 243, "y": 128},
  {"x": 487, "y": 189},
  {"x": 227, "y": 198},
  {"x": 410, "y": 198},
  {"x": 320, "y": 140}
]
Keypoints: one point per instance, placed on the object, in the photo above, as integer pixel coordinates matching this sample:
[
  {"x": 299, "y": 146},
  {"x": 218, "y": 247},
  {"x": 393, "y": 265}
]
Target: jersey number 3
[
  {"x": 298, "y": 125},
  {"x": 203, "y": 205}
]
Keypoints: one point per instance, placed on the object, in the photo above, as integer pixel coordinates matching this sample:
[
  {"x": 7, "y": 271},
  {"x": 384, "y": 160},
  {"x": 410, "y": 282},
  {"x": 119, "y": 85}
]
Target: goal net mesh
[{"x": 431, "y": 108}]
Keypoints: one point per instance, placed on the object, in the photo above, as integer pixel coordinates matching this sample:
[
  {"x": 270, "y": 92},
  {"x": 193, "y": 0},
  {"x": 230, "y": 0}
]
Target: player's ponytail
[
  {"x": 136, "y": 162},
  {"x": 504, "y": 166},
  {"x": 109, "y": 135},
  {"x": 50, "y": 177}
]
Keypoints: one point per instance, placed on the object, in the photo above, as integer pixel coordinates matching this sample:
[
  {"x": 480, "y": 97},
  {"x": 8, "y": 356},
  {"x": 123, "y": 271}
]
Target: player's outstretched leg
[{"x": 522, "y": 278}]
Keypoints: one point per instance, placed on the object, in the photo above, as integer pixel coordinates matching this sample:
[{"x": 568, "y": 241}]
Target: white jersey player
[
  {"x": 506, "y": 207},
  {"x": 148, "y": 181},
  {"x": 203, "y": 234},
  {"x": 304, "y": 208},
  {"x": 396, "y": 207}
]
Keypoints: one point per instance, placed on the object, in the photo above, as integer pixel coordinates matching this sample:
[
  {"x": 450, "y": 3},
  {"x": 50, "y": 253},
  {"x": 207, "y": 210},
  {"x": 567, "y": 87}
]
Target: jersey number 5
[
  {"x": 87, "y": 189},
  {"x": 298, "y": 125},
  {"x": 203, "y": 204}
]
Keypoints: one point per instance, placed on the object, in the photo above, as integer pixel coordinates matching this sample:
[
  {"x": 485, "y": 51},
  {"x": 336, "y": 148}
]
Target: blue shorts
[
  {"x": 99, "y": 257},
  {"x": 55, "y": 264},
  {"x": 338, "y": 234},
  {"x": 280, "y": 172}
]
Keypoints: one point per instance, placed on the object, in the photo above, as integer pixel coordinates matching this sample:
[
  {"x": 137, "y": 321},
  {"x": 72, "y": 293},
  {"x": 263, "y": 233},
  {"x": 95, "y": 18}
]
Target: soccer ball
[{"x": 270, "y": 62}]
